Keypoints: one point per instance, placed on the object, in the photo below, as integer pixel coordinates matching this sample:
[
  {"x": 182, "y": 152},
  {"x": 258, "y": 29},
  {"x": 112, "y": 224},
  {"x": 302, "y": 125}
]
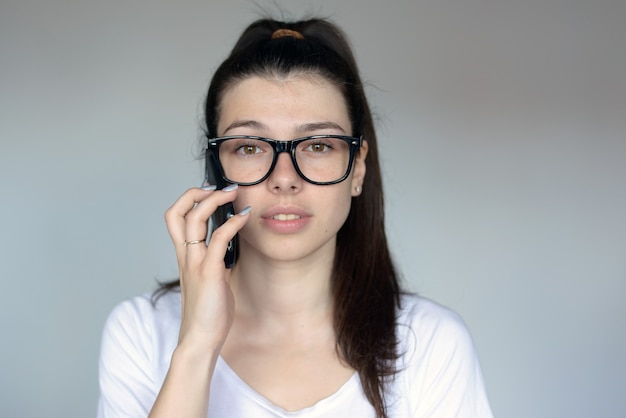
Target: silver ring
[{"x": 186, "y": 243}]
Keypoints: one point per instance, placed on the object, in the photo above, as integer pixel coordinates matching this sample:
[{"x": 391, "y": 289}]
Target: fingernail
[
  {"x": 207, "y": 186},
  {"x": 245, "y": 211},
  {"x": 230, "y": 188}
]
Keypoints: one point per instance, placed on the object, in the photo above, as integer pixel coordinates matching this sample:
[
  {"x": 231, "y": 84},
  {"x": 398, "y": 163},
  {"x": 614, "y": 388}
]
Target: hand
[{"x": 207, "y": 300}]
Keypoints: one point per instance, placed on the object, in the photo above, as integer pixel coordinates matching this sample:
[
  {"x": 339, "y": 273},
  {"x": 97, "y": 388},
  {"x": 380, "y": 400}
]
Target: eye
[
  {"x": 318, "y": 147},
  {"x": 249, "y": 149},
  {"x": 246, "y": 147}
]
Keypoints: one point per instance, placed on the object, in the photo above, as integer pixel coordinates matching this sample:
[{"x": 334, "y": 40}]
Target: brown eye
[
  {"x": 318, "y": 147},
  {"x": 250, "y": 149}
]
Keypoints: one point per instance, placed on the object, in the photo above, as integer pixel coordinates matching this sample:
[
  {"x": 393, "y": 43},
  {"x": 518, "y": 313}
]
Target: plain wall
[{"x": 503, "y": 134}]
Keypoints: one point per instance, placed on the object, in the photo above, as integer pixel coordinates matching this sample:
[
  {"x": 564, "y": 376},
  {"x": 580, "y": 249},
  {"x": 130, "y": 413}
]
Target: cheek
[
  {"x": 245, "y": 198},
  {"x": 341, "y": 206}
]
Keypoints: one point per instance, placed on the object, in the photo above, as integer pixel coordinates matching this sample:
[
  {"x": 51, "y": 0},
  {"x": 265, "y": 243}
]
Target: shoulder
[
  {"x": 143, "y": 310},
  {"x": 137, "y": 341},
  {"x": 146, "y": 305},
  {"x": 425, "y": 317},
  {"x": 433, "y": 338},
  {"x": 140, "y": 322},
  {"x": 439, "y": 370}
]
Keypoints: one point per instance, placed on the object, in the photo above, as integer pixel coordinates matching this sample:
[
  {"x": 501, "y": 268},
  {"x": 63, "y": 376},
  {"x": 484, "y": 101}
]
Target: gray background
[{"x": 503, "y": 127}]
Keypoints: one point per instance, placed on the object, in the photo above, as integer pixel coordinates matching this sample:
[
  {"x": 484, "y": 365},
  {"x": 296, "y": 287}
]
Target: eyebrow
[
  {"x": 245, "y": 124},
  {"x": 301, "y": 129},
  {"x": 318, "y": 126}
]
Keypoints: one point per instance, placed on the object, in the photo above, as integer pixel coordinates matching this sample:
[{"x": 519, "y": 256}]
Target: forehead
[{"x": 283, "y": 102}]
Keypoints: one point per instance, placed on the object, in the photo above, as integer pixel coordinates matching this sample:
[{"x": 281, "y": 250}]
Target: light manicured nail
[
  {"x": 230, "y": 188},
  {"x": 208, "y": 187},
  {"x": 245, "y": 211}
]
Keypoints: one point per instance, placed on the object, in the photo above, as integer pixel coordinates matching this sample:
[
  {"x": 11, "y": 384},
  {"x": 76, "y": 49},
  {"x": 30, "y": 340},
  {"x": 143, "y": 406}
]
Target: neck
[{"x": 288, "y": 291}]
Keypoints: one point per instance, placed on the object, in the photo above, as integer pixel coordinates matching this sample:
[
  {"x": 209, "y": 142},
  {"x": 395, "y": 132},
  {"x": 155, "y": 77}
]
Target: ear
[{"x": 358, "y": 171}]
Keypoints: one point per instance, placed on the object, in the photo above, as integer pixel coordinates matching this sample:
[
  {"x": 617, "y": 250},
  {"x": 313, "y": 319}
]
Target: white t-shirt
[{"x": 439, "y": 372}]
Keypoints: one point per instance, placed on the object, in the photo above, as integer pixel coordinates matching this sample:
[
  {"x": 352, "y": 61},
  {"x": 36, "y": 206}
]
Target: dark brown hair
[{"x": 365, "y": 285}]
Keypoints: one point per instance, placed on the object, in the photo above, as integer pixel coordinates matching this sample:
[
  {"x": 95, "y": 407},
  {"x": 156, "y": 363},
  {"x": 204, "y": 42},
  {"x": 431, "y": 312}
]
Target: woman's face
[{"x": 291, "y": 219}]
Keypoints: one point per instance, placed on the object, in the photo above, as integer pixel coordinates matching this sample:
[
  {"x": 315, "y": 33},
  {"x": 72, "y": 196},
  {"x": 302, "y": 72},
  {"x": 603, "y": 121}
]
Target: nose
[{"x": 284, "y": 176}]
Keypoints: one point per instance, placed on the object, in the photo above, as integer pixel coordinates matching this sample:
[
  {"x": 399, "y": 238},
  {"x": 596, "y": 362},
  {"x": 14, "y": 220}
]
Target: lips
[
  {"x": 286, "y": 217},
  {"x": 285, "y": 213}
]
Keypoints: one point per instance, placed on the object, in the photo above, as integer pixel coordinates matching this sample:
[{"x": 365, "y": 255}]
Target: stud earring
[{"x": 357, "y": 189}]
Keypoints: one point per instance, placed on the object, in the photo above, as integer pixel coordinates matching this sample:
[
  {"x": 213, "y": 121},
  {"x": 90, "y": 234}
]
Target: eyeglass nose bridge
[
  {"x": 283, "y": 146},
  {"x": 288, "y": 147}
]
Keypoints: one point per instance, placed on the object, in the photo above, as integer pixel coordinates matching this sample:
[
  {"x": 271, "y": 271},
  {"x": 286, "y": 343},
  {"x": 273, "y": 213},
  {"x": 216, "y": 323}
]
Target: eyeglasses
[{"x": 318, "y": 159}]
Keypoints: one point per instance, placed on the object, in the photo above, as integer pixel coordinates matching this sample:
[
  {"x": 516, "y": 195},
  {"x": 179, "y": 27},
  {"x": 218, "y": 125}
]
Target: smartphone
[{"x": 223, "y": 213}]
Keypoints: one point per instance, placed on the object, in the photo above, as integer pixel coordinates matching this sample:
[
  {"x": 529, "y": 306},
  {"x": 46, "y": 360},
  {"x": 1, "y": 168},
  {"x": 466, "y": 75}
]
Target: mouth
[{"x": 285, "y": 217}]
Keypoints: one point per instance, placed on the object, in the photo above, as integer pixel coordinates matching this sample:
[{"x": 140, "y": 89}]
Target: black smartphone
[{"x": 223, "y": 213}]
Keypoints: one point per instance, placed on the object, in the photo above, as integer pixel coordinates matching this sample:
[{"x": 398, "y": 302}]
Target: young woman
[{"x": 310, "y": 321}]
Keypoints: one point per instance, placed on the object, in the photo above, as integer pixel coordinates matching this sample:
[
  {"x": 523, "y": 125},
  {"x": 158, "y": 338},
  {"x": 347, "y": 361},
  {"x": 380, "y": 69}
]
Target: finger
[
  {"x": 219, "y": 240},
  {"x": 196, "y": 222},
  {"x": 175, "y": 215}
]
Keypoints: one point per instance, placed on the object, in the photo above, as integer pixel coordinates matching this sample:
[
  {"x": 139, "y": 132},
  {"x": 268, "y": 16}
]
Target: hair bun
[{"x": 281, "y": 33}]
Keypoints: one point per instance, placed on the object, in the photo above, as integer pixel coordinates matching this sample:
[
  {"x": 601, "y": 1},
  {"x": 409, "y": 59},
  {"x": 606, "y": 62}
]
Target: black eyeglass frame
[{"x": 213, "y": 146}]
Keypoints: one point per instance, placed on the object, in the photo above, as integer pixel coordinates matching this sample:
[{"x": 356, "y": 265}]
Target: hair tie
[{"x": 279, "y": 33}]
